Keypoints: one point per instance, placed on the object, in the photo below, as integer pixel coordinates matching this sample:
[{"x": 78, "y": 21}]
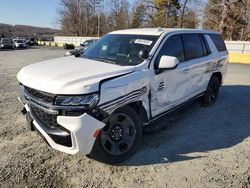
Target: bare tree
[
  {"x": 228, "y": 17},
  {"x": 119, "y": 14},
  {"x": 94, "y": 17},
  {"x": 139, "y": 15},
  {"x": 189, "y": 14},
  {"x": 79, "y": 17},
  {"x": 182, "y": 12}
]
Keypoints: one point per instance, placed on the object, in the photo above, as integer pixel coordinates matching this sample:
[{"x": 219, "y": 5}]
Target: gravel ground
[{"x": 204, "y": 147}]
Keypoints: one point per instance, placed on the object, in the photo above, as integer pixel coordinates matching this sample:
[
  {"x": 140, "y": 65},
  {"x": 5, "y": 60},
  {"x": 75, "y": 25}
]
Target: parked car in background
[
  {"x": 27, "y": 41},
  {"x": 19, "y": 43},
  {"x": 68, "y": 46},
  {"x": 99, "y": 103},
  {"x": 78, "y": 50},
  {"x": 33, "y": 42},
  {"x": 87, "y": 43},
  {"x": 6, "y": 43}
]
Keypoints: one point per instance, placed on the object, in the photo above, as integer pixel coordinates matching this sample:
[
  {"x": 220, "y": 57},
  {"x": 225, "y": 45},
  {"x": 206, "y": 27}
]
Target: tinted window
[
  {"x": 172, "y": 47},
  {"x": 207, "y": 50},
  {"x": 193, "y": 47},
  {"x": 218, "y": 42}
]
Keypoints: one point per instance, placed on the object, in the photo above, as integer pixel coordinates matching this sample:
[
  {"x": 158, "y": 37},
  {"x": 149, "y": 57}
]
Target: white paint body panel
[
  {"x": 69, "y": 75},
  {"x": 123, "y": 85},
  {"x": 82, "y": 129}
]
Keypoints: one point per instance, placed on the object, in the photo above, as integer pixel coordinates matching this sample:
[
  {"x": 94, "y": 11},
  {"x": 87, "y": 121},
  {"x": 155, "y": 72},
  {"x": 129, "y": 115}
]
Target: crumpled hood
[{"x": 69, "y": 75}]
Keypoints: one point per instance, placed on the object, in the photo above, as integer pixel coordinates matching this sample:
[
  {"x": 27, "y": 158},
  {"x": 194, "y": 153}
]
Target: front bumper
[
  {"x": 6, "y": 47},
  {"x": 81, "y": 129}
]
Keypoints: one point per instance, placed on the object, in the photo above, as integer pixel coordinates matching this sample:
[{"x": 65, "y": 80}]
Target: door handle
[{"x": 186, "y": 70}]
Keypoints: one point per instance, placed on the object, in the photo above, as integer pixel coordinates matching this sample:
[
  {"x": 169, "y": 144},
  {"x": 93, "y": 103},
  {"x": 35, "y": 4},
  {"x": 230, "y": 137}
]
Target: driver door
[{"x": 170, "y": 87}]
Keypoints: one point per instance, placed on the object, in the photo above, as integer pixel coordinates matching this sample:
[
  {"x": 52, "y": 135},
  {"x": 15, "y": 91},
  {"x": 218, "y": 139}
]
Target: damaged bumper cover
[{"x": 76, "y": 134}]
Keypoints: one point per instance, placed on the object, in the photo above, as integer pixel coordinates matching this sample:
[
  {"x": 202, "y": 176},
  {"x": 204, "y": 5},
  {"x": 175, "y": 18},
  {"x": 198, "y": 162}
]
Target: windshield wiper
[
  {"x": 109, "y": 61},
  {"x": 105, "y": 60},
  {"x": 100, "y": 59}
]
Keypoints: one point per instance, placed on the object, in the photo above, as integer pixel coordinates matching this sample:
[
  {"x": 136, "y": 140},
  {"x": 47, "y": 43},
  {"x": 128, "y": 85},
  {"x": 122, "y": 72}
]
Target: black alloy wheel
[
  {"x": 120, "y": 137},
  {"x": 212, "y": 91}
]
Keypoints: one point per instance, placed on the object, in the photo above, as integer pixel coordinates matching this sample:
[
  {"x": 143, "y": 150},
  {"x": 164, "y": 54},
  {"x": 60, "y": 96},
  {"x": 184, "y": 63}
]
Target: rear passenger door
[{"x": 198, "y": 57}]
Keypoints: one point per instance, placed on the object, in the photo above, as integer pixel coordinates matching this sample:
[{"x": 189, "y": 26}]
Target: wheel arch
[
  {"x": 140, "y": 110},
  {"x": 218, "y": 75}
]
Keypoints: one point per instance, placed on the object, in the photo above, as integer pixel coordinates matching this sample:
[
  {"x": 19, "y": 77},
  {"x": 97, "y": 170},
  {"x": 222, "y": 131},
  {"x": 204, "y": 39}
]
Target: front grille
[
  {"x": 59, "y": 134},
  {"x": 45, "y": 118},
  {"x": 39, "y": 95}
]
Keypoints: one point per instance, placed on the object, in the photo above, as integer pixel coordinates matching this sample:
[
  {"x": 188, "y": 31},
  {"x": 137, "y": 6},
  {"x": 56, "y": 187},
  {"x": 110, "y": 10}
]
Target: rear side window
[
  {"x": 171, "y": 47},
  {"x": 218, "y": 42},
  {"x": 206, "y": 50},
  {"x": 193, "y": 46}
]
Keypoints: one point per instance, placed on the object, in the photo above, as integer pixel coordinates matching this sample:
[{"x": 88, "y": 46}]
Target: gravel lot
[{"x": 204, "y": 147}]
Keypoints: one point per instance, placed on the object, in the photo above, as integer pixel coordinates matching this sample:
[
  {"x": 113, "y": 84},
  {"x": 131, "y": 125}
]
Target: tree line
[{"x": 98, "y": 17}]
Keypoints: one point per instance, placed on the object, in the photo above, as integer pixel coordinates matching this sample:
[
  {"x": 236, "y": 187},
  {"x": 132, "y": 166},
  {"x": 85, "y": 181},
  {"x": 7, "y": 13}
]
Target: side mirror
[
  {"x": 168, "y": 62},
  {"x": 143, "y": 54}
]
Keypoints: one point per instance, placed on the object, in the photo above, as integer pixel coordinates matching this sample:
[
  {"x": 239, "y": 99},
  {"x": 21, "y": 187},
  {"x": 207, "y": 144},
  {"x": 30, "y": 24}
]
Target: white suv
[{"x": 100, "y": 102}]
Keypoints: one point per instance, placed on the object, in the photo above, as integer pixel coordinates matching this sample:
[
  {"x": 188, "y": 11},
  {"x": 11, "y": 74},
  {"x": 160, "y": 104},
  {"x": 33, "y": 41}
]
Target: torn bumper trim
[{"x": 81, "y": 128}]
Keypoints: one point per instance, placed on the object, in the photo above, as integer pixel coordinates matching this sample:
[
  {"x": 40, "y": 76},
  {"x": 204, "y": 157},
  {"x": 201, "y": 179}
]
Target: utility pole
[{"x": 98, "y": 27}]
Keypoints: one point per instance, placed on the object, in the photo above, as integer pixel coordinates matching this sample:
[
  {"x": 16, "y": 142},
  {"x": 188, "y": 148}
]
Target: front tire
[
  {"x": 120, "y": 137},
  {"x": 212, "y": 92}
]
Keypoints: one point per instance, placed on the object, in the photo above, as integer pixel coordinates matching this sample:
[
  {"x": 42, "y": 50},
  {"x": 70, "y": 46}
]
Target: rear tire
[
  {"x": 212, "y": 92},
  {"x": 120, "y": 137}
]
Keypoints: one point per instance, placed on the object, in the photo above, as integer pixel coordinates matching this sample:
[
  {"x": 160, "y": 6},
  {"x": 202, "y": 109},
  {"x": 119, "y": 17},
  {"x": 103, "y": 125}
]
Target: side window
[
  {"x": 207, "y": 48},
  {"x": 171, "y": 47},
  {"x": 218, "y": 42},
  {"x": 193, "y": 47}
]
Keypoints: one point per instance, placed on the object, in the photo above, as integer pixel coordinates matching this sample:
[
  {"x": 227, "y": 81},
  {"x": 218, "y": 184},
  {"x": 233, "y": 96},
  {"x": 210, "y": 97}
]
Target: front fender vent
[{"x": 161, "y": 86}]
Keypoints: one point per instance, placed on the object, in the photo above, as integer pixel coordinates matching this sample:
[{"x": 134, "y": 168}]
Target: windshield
[
  {"x": 5, "y": 40},
  {"x": 120, "y": 49},
  {"x": 19, "y": 41},
  {"x": 86, "y": 43}
]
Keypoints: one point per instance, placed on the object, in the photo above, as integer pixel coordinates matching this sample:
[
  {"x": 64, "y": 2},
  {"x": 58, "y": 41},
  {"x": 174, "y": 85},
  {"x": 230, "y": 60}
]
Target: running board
[{"x": 162, "y": 120}]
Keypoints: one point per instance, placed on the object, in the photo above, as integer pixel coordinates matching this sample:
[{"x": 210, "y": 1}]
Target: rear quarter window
[{"x": 218, "y": 42}]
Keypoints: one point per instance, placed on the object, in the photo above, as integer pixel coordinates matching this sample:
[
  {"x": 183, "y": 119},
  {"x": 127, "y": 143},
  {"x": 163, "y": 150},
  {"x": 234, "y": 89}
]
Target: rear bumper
[
  {"x": 79, "y": 129},
  {"x": 21, "y": 46}
]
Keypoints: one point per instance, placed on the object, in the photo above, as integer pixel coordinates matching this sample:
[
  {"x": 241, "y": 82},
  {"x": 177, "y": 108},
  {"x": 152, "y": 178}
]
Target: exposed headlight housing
[{"x": 89, "y": 100}]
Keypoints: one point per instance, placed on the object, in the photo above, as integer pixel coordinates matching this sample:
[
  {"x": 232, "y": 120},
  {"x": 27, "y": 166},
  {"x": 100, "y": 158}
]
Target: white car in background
[
  {"x": 18, "y": 43},
  {"x": 99, "y": 103}
]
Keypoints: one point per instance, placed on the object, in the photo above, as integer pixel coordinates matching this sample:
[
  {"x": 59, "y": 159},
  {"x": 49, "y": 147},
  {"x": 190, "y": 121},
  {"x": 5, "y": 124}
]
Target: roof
[{"x": 157, "y": 31}]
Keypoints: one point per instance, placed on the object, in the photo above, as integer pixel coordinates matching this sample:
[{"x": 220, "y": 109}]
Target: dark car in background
[
  {"x": 33, "y": 42},
  {"x": 87, "y": 43},
  {"x": 83, "y": 46},
  {"x": 6, "y": 43},
  {"x": 67, "y": 46}
]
